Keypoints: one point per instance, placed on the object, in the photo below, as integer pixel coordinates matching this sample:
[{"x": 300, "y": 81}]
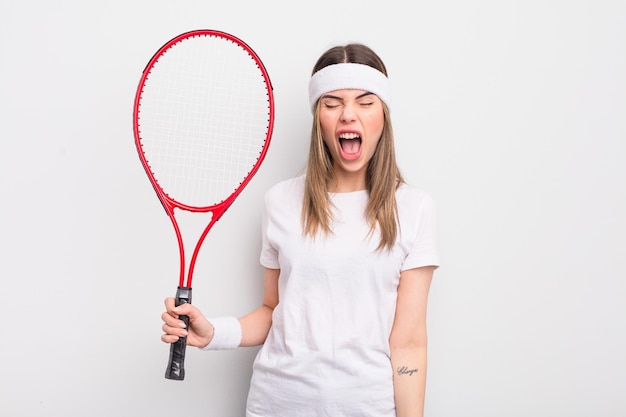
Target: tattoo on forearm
[{"x": 403, "y": 370}]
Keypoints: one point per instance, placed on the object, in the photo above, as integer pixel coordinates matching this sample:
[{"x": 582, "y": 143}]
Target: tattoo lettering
[{"x": 403, "y": 370}]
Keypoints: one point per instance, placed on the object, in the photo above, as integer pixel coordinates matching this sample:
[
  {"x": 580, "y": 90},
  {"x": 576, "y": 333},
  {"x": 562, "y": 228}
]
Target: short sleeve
[
  {"x": 269, "y": 254},
  {"x": 422, "y": 227}
]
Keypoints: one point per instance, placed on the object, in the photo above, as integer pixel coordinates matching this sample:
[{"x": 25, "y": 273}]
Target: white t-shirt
[{"x": 327, "y": 352}]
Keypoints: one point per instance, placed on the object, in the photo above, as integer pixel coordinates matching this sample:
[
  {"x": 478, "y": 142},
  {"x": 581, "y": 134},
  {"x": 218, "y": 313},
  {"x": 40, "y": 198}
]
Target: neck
[{"x": 347, "y": 183}]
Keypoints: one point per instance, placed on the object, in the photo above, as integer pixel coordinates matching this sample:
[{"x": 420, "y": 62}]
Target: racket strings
[{"x": 203, "y": 119}]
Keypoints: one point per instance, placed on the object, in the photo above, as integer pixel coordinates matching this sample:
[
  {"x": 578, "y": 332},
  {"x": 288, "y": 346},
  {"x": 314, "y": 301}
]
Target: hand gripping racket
[{"x": 203, "y": 119}]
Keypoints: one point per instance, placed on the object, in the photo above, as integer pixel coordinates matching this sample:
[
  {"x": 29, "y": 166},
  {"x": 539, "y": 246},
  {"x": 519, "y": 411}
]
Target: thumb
[{"x": 186, "y": 309}]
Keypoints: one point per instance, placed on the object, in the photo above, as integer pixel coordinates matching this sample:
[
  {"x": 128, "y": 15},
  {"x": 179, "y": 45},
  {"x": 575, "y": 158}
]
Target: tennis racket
[{"x": 203, "y": 119}]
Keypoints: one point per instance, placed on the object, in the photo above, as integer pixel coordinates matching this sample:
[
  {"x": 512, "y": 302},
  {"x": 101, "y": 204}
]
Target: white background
[{"x": 510, "y": 113}]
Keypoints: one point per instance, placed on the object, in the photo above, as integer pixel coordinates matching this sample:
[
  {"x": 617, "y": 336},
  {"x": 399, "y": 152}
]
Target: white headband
[{"x": 348, "y": 76}]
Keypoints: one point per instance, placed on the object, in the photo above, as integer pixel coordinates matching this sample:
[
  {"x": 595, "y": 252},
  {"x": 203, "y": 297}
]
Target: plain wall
[{"x": 510, "y": 113}]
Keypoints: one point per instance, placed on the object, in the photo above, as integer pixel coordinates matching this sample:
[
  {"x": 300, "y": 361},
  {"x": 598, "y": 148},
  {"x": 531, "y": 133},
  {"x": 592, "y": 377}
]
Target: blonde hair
[{"x": 382, "y": 177}]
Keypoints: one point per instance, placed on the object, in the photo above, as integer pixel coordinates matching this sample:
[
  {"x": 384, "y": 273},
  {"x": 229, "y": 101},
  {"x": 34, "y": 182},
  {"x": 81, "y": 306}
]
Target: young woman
[{"x": 349, "y": 251}]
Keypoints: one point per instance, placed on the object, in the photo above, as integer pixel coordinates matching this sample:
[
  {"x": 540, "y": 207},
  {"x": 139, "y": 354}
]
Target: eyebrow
[{"x": 365, "y": 94}]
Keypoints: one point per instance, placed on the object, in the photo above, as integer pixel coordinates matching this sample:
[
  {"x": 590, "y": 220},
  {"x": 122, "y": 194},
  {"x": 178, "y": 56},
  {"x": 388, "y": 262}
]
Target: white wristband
[{"x": 227, "y": 334}]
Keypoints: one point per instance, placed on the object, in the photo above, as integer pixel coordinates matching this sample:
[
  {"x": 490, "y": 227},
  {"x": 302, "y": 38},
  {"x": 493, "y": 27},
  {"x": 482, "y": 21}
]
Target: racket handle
[{"x": 176, "y": 366}]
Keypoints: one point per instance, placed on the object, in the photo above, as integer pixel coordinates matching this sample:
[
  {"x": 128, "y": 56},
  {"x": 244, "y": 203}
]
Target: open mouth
[{"x": 350, "y": 144}]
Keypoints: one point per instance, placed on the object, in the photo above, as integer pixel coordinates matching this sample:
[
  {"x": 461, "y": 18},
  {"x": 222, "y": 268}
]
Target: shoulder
[
  {"x": 413, "y": 198},
  {"x": 291, "y": 189}
]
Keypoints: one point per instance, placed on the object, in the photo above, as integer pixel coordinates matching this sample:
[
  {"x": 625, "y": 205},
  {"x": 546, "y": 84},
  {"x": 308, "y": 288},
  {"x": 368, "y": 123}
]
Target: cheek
[
  {"x": 328, "y": 128},
  {"x": 376, "y": 125}
]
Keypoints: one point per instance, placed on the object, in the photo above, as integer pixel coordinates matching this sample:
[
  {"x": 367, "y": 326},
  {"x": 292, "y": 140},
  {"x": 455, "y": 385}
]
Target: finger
[
  {"x": 172, "y": 322},
  {"x": 168, "y": 338},
  {"x": 170, "y": 303},
  {"x": 186, "y": 309},
  {"x": 169, "y": 318},
  {"x": 177, "y": 330}
]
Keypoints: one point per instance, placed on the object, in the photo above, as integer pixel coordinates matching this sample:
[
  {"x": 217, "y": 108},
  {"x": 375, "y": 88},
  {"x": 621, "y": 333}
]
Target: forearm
[
  {"x": 409, "y": 379},
  {"x": 408, "y": 342},
  {"x": 255, "y": 326}
]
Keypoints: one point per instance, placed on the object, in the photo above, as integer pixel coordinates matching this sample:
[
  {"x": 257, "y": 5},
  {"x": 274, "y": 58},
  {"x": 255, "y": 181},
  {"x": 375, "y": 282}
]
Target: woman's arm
[
  {"x": 256, "y": 324},
  {"x": 408, "y": 342}
]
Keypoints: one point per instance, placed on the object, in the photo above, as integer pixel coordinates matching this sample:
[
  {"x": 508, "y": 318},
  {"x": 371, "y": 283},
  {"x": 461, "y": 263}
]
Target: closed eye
[
  {"x": 366, "y": 99},
  {"x": 331, "y": 102}
]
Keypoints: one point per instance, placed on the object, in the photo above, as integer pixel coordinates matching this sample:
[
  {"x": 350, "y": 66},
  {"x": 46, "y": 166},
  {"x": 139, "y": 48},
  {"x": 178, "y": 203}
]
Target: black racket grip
[{"x": 176, "y": 366}]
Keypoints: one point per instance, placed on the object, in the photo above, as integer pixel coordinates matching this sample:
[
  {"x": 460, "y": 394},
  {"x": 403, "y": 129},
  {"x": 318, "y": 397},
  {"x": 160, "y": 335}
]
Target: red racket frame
[{"x": 169, "y": 204}]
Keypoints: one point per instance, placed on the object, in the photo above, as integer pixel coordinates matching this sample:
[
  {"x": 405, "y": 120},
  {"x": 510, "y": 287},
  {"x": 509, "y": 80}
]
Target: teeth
[{"x": 349, "y": 136}]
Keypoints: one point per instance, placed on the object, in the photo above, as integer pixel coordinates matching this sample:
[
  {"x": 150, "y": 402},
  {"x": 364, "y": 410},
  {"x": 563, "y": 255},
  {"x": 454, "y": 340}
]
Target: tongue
[{"x": 350, "y": 146}]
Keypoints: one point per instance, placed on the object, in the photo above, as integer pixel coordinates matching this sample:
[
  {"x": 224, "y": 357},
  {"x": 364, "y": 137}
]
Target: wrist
[{"x": 227, "y": 334}]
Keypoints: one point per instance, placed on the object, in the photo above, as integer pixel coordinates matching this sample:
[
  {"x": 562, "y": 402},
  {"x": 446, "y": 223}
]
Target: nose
[{"x": 348, "y": 114}]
